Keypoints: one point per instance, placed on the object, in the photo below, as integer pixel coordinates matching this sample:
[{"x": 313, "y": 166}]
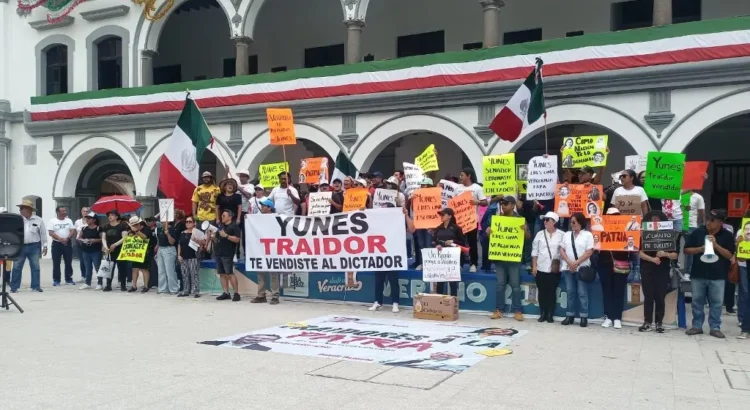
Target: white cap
[
  {"x": 613, "y": 211},
  {"x": 243, "y": 172},
  {"x": 91, "y": 214},
  {"x": 551, "y": 215},
  {"x": 259, "y": 186},
  {"x": 362, "y": 182}
]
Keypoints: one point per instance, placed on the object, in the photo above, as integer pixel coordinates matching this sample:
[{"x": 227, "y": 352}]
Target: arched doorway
[
  {"x": 405, "y": 148},
  {"x": 105, "y": 174}
]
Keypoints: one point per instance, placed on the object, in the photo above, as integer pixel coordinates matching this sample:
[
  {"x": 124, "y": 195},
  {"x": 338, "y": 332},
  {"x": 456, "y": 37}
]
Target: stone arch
[
  {"x": 41, "y": 60},
  {"x": 92, "y": 54},
  {"x": 78, "y": 156},
  {"x": 369, "y": 147},
  {"x": 250, "y": 9},
  {"x": 705, "y": 116},
  {"x": 572, "y": 112}
]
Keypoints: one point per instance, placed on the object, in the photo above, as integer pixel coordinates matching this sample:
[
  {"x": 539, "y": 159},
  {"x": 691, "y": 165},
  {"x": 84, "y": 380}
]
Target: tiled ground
[{"x": 89, "y": 350}]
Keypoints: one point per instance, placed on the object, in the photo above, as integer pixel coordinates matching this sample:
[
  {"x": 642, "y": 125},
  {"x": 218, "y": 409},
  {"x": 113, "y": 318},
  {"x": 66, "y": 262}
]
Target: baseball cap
[
  {"x": 258, "y": 186},
  {"x": 243, "y": 172},
  {"x": 719, "y": 214},
  {"x": 587, "y": 170},
  {"x": 266, "y": 202},
  {"x": 446, "y": 211},
  {"x": 551, "y": 215},
  {"x": 508, "y": 198},
  {"x": 427, "y": 181},
  {"x": 91, "y": 214},
  {"x": 207, "y": 174},
  {"x": 377, "y": 174}
]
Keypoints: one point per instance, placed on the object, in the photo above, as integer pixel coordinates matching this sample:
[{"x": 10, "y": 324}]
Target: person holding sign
[
  {"x": 139, "y": 229},
  {"x": 545, "y": 265},
  {"x": 448, "y": 233},
  {"x": 285, "y": 196},
  {"x": 743, "y": 243},
  {"x": 655, "y": 267},
  {"x": 188, "y": 259},
  {"x": 267, "y": 207},
  {"x": 390, "y": 276},
  {"x": 468, "y": 180},
  {"x": 630, "y": 199},
  {"x": 166, "y": 258},
  {"x": 576, "y": 251},
  {"x": 613, "y": 268},
  {"x": 227, "y": 238}
]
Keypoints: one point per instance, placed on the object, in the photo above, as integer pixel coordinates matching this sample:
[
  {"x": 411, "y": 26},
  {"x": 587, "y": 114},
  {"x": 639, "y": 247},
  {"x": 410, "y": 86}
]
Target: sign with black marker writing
[
  {"x": 442, "y": 265},
  {"x": 655, "y": 241},
  {"x": 664, "y": 172}
]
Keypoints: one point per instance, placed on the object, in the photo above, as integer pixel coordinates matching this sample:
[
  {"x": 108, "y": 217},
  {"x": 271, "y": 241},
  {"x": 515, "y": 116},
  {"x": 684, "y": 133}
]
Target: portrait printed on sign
[
  {"x": 583, "y": 151},
  {"x": 617, "y": 236},
  {"x": 574, "y": 198},
  {"x": 522, "y": 172}
]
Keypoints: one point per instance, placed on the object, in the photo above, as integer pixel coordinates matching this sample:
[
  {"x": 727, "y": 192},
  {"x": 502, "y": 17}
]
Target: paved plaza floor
[{"x": 77, "y": 349}]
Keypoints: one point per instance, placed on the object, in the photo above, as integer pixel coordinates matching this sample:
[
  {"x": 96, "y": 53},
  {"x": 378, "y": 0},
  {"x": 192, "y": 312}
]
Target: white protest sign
[
  {"x": 319, "y": 203},
  {"x": 413, "y": 176},
  {"x": 383, "y": 197},
  {"x": 370, "y": 240},
  {"x": 450, "y": 189},
  {"x": 441, "y": 266},
  {"x": 195, "y": 238},
  {"x": 542, "y": 178},
  {"x": 636, "y": 162},
  {"x": 166, "y": 210}
]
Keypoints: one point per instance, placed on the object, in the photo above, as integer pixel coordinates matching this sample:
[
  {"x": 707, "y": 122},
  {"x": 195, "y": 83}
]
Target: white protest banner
[
  {"x": 450, "y": 189},
  {"x": 166, "y": 210},
  {"x": 319, "y": 203},
  {"x": 383, "y": 197},
  {"x": 542, "y": 178},
  {"x": 195, "y": 238},
  {"x": 441, "y": 266},
  {"x": 636, "y": 162},
  {"x": 371, "y": 240},
  {"x": 413, "y": 176}
]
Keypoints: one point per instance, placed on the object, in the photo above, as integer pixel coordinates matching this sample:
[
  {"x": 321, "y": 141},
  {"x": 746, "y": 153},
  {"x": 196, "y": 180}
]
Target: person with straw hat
[{"x": 34, "y": 245}]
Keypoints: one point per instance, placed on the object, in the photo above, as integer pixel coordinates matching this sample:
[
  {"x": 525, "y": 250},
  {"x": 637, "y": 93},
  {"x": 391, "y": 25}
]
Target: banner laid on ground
[
  {"x": 579, "y": 152},
  {"x": 133, "y": 249},
  {"x": 415, "y": 344},
  {"x": 442, "y": 265},
  {"x": 371, "y": 240}
]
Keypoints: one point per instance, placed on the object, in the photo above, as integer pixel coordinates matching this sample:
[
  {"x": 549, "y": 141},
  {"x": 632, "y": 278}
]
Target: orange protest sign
[
  {"x": 281, "y": 126},
  {"x": 355, "y": 199},
  {"x": 465, "y": 212},
  {"x": 313, "y": 170},
  {"x": 426, "y": 204},
  {"x": 574, "y": 198},
  {"x": 738, "y": 204},
  {"x": 621, "y": 233}
]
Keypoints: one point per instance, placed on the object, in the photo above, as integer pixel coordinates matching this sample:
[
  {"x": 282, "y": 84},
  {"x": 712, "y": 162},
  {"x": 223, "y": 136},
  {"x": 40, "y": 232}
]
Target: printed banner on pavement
[
  {"x": 371, "y": 240},
  {"x": 415, "y": 344}
]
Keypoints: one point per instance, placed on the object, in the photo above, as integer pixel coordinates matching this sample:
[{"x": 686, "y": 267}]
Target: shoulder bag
[
  {"x": 555, "y": 267},
  {"x": 621, "y": 267},
  {"x": 585, "y": 273},
  {"x": 734, "y": 272}
]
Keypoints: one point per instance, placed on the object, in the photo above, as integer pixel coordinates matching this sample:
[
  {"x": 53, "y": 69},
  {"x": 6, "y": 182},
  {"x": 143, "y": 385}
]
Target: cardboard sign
[
  {"x": 635, "y": 162},
  {"x": 655, "y": 241},
  {"x": 621, "y": 233},
  {"x": 590, "y": 151},
  {"x": 355, "y": 199},
  {"x": 441, "y": 266},
  {"x": 664, "y": 175},
  {"x": 465, "y": 212},
  {"x": 500, "y": 174},
  {"x": 166, "y": 210},
  {"x": 426, "y": 204},
  {"x": 319, "y": 203},
  {"x": 413, "y": 176},
  {"x": 281, "y": 126},
  {"x": 574, "y": 198},
  {"x": 383, "y": 197},
  {"x": 628, "y": 204},
  {"x": 743, "y": 247},
  {"x": 522, "y": 172},
  {"x": 133, "y": 249},
  {"x": 449, "y": 191},
  {"x": 692, "y": 178},
  {"x": 506, "y": 238},
  {"x": 313, "y": 170},
  {"x": 738, "y": 204},
  {"x": 268, "y": 174},
  {"x": 427, "y": 160},
  {"x": 542, "y": 178},
  {"x": 523, "y": 187}
]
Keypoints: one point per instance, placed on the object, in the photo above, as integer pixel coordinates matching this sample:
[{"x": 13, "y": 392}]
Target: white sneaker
[
  {"x": 84, "y": 287},
  {"x": 473, "y": 268},
  {"x": 618, "y": 324},
  {"x": 395, "y": 308},
  {"x": 607, "y": 323},
  {"x": 98, "y": 287},
  {"x": 419, "y": 267},
  {"x": 375, "y": 306}
]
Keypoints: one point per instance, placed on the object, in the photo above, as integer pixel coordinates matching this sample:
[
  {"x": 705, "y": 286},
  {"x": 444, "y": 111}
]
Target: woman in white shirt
[
  {"x": 545, "y": 265},
  {"x": 583, "y": 241}
]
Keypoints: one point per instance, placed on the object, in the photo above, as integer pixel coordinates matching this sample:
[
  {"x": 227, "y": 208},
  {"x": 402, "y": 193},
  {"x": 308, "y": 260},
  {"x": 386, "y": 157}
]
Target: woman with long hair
[
  {"x": 576, "y": 251},
  {"x": 188, "y": 260},
  {"x": 448, "y": 233},
  {"x": 229, "y": 200}
]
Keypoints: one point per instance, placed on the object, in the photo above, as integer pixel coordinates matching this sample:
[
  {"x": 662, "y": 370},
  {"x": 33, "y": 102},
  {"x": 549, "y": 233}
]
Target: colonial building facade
[{"x": 88, "y": 100}]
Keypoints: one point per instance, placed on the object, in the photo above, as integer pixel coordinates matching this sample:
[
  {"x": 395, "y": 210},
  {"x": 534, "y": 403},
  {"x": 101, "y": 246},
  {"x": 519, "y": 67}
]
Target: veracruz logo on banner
[{"x": 371, "y": 240}]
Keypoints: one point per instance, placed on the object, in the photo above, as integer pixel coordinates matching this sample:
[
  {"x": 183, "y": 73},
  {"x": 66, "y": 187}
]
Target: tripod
[{"x": 5, "y": 298}]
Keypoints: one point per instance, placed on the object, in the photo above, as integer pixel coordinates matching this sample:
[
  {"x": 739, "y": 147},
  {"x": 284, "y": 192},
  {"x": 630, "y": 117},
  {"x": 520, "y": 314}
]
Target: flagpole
[{"x": 221, "y": 154}]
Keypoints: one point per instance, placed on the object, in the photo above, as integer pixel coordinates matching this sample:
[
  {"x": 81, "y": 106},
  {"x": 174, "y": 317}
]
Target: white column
[
  {"x": 147, "y": 67},
  {"x": 491, "y": 22},
  {"x": 662, "y": 12},
  {"x": 241, "y": 45},
  {"x": 353, "y": 35}
]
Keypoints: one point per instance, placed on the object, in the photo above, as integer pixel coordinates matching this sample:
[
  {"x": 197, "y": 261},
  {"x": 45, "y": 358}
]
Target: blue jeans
[
  {"x": 508, "y": 272},
  {"x": 167, "y": 275},
  {"x": 64, "y": 252},
  {"x": 742, "y": 295},
  {"x": 635, "y": 268},
  {"x": 91, "y": 261},
  {"x": 423, "y": 240},
  {"x": 713, "y": 290},
  {"x": 689, "y": 258},
  {"x": 576, "y": 290},
  {"x": 32, "y": 252},
  {"x": 484, "y": 242}
]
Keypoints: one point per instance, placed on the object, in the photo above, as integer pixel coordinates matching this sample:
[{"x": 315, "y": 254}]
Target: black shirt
[
  {"x": 113, "y": 233},
  {"x": 162, "y": 239},
  {"x": 151, "y": 238},
  {"x": 337, "y": 197},
  {"x": 91, "y": 233},
  {"x": 228, "y": 203},
  {"x": 606, "y": 259},
  {"x": 712, "y": 271},
  {"x": 185, "y": 250},
  {"x": 224, "y": 247},
  {"x": 451, "y": 233}
]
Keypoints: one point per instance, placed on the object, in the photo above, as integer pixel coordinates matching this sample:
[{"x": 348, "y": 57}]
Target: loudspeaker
[
  {"x": 709, "y": 255},
  {"x": 11, "y": 235}
]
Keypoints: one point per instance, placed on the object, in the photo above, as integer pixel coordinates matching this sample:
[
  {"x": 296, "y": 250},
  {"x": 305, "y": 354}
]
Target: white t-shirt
[
  {"x": 539, "y": 249},
  {"x": 254, "y": 206},
  {"x": 696, "y": 203},
  {"x": 672, "y": 209},
  {"x": 61, "y": 227},
  {"x": 477, "y": 192},
  {"x": 246, "y": 201},
  {"x": 281, "y": 201},
  {"x": 80, "y": 224},
  {"x": 584, "y": 241},
  {"x": 636, "y": 190}
]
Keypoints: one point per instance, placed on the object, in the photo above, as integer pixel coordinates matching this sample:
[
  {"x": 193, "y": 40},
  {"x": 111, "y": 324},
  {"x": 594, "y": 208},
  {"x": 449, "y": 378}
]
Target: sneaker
[
  {"x": 36, "y": 290},
  {"x": 56, "y": 283},
  {"x": 518, "y": 316},
  {"x": 274, "y": 301},
  {"x": 107, "y": 289},
  {"x": 14, "y": 291},
  {"x": 98, "y": 287},
  {"x": 258, "y": 299},
  {"x": 607, "y": 323},
  {"x": 419, "y": 267},
  {"x": 646, "y": 327},
  {"x": 743, "y": 335},
  {"x": 473, "y": 268},
  {"x": 694, "y": 331},
  {"x": 223, "y": 296},
  {"x": 197, "y": 295},
  {"x": 497, "y": 314},
  {"x": 236, "y": 297},
  {"x": 375, "y": 306},
  {"x": 395, "y": 308},
  {"x": 618, "y": 324},
  {"x": 659, "y": 328},
  {"x": 70, "y": 282},
  {"x": 717, "y": 334},
  {"x": 84, "y": 287}
]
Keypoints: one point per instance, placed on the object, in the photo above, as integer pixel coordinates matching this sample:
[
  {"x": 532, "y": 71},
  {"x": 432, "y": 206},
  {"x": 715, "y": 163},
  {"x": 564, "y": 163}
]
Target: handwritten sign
[
  {"x": 413, "y": 176},
  {"x": 166, "y": 210},
  {"x": 384, "y": 197},
  {"x": 522, "y": 172},
  {"x": 426, "y": 204},
  {"x": 692, "y": 178},
  {"x": 449, "y": 191},
  {"x": 427, "y": 160},
  {"x": 655, "y": 241},
  {"x": 628, "y": 204},
  {"x": 570, "y": 199},
  {"x": 313, "y": 170},
  {"x": 590, "y": 151},
  {"x": 500, "y": 174},
  {"x": 281, "y": 126},
  {"x": 738, "y": 204},
  {"x": 268, "y": 174},
  {"x": 664, "y": 175},
  {"x": 319, "y": 203},
  {"x": 506, "y": 238},
  {"x": 621, "y": 233},
  {"x": 743, "y": 247},
  {"x": 465, "y": 212},
  {"x": 355, "y": 199},
  {"x": 133, "y": 249},
  {"x": 542, "y": 178},
  {"x": 635, "y": 162},
  {"x": 441, "y": 266}
]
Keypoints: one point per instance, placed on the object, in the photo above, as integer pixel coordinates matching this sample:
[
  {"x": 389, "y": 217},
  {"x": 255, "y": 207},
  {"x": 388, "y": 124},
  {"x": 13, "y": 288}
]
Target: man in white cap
[
  {"x": 204, "y": 199},
  {"x": 34, "y": 245},
  {"x": 246, "y": 190}
]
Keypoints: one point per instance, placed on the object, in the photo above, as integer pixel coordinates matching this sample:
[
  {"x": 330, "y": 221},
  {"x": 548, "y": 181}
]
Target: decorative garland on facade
[
  {"x": 149, "y": 7},
  {"x": 57, "y": 9}
]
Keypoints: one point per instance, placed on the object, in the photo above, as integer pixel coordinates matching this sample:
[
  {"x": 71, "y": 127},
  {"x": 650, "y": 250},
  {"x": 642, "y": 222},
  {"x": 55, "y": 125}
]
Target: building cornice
[
  {"x": 678, "y": 76},
  {"x": 105, "y": 13},
  {"x": 44, "y": 25}
]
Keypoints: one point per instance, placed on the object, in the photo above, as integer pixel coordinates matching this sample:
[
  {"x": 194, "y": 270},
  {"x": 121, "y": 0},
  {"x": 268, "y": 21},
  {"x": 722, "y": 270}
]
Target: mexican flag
[
  {"x": 179, "y": 167},
  {"x": 523, "y": 109},
  {"x": 344, "y": 168}
]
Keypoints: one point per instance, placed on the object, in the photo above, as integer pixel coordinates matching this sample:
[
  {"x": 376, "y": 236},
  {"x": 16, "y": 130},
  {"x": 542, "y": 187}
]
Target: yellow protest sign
[
  {"x": 590, "y": 151},
  {"x": 268, "y": 174},
  {"x": 281, "y": 126},
  {"x": 506, "y": 238},
  {"x": 133, "y": 249},
  {"x": 522, "y": 186},
  {"x": 427, "y": 160},
  {"x": 743, "y": 248},
  {"x": 500, "y": 174}
]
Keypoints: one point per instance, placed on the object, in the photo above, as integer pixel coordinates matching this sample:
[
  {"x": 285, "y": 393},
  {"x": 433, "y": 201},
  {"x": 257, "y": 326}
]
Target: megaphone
[{"x": 709, "y": 256}]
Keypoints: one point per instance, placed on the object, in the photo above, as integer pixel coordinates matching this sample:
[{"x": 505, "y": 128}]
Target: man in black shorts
[{"x": 226, "y": 240}]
